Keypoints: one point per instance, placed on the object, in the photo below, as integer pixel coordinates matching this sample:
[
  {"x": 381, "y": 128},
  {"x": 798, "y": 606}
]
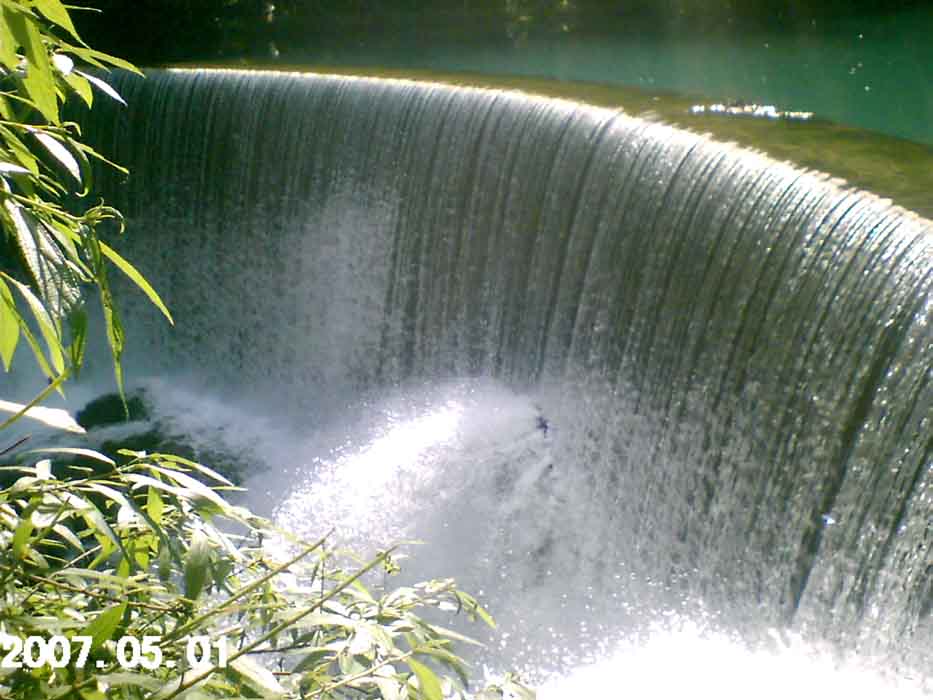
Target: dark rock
[{"x": 109, "y": 410}]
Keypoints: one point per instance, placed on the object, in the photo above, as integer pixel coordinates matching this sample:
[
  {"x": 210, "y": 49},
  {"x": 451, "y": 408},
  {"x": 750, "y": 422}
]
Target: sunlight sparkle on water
[
  {"x": 381, "y": 476},
  {"x": 690, "y": 664}
]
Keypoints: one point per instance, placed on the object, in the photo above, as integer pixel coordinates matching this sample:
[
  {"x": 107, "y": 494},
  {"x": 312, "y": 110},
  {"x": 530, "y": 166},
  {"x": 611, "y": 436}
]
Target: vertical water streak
[{"x": 734, "y": 353}]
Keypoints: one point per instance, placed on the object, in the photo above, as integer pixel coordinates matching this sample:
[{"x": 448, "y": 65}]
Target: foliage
[
  {"x": 146, "y": 549},
  {"x": 50, "y": 253},
  {"x": 127, "y": 566}
]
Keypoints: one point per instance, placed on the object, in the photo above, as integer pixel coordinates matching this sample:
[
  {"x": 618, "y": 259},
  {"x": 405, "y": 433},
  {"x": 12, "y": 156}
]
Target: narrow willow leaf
[
  {"x": 196, "y": 565},
  {"x": 258, "y": 678},
  {"x": 46, "y": 326},
  {"x": 21, "y": 536},
  {"x": 8, "y": 56},
  {"x": 78, "y": 576},
  {"x": 9, "y": 326},
  {"x": 47, "y": 266},
  {"x": 68, "y": 240},
  {"x": 37, "y": 352},
  {"x": 428, "y": 683},
  {"x": 53, "y": 417},
  {"x": 197, "y": 489},
  {"x": 44, "y": 469},
  {"x": 452, "y": 661},
  {"x": 474, "y": 609},
  {"x": 110, "y": 493},
  {"x": 456, "y": 636},
  {"x": 63, "y": 63},
  {"x": 95, "y": 519},
  {"x": 55, "y": 12},
  {"x": 137, "y": 278},
  {"x": 78, "y": 451},
  {"x": 103, "y": 86},
  {"x": 155, "y": 506},
  {"x": 315, "y": 658},
  {"x": 38, "y": 82},
  {"x": 81, "y": 86},
  {"x": 116, "y": 337},
  {"x": 19, "y": 149},
  {"x": 13, "y": 168},
  {"x": 102, "y": 628},
  {"x": 77, "y": 322},
  {"x": 143, "y": 480},
  {"x": 67, "y": 535},
  {"x": 60, "y": 152},
  {"x": 115, "y": 61},
  {"x": 389, "y": 688},
  {"x": 207, "y": 471}
]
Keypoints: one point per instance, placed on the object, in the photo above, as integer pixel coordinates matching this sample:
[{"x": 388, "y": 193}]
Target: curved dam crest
[{"x": 733, "y": 354}]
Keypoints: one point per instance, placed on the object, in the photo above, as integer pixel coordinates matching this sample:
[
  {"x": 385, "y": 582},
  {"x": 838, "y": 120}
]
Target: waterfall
[{"x": 732, "y": 356}]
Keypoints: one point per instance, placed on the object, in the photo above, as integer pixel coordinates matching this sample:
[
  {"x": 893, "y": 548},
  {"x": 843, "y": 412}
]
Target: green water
[{"x": 874, "y": 72}]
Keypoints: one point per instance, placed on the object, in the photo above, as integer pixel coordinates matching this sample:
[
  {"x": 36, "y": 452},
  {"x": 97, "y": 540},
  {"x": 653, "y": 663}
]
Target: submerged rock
[
  {"x": 101, "y": 416},
  {"x": 110, "y": 410}
]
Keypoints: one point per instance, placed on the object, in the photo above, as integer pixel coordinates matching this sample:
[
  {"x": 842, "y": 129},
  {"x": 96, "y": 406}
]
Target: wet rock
[{"x": 109, "y": 410}]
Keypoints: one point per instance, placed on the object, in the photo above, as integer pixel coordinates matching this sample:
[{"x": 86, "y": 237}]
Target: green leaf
[
  {"x": 66, "y": 534},
  {"x": 103, "y": 86},
  {"x": 96, "y": 520},
  {"x": 108, "y": 492},
  {"x": 78, "y": 451},
  {"x": 257, "y": 677},
  {"x": 115, "y": 61},
  {"x": 137, "y": 278},
  {"x": 21, "y": 535},
  {"x": 39, "y": 82},
  {"x": 197, "y": 489},
  {"x": 77, "y": 322},
  {"x": 53, "y": 278},
  {"x": 155, "y": 506},
  {"x": 196, "y": 565},
  {"x": 207, "y": 471},
  {"x": 46, "y": 325},
  {"x": 19, "y": 149},
  {"x": 54, "y": 417},
  {"x": 116, "y": 337},
  {"x": 13, "y": 169},
  {"x": 55, "y": 12},
  {"x": 81, "y": 86},
  {"x": 102, "y": 628},
  {"x": 60, "y": 152},
  {"x": 8, "y": 56},
  {"x": 9, "y": 326},
  {"x": 474, "y": 609},
  {"x": 428, "y": 683}
]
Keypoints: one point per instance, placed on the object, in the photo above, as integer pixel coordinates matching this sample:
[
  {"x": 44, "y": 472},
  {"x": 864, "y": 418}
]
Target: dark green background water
[
  {"x": 874, "y": 71},
  {"x": 864, "y": 63}
]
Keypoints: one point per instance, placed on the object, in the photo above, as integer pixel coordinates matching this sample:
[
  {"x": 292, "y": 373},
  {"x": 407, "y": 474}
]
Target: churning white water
[
  {"x": 474, "y": 472},
  {"x": 689, "y": 664}
]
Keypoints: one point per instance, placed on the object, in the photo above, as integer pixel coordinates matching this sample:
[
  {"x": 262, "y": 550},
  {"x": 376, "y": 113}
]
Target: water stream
[{"x": 663, "y": 402}]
